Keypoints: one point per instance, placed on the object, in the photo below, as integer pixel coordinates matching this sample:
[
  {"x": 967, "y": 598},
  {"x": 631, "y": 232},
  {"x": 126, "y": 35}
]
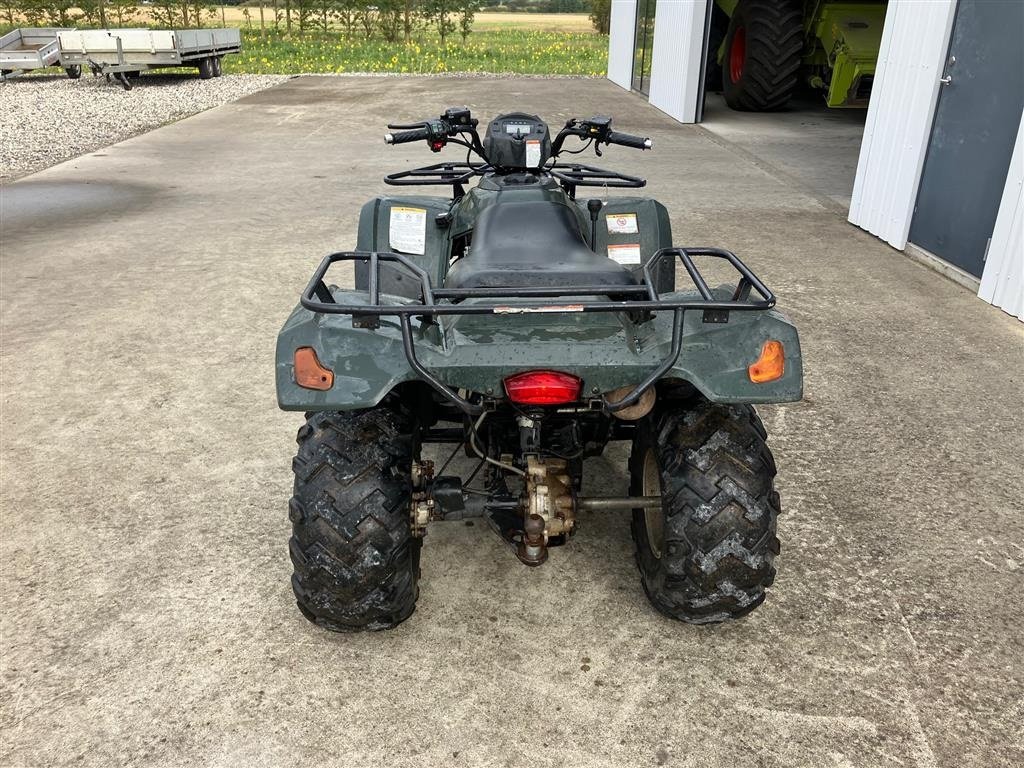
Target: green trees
[
  {"x": 466, "y": 15},
  {"x": 440, "y": 13},
  {"x": 101, "y": 13},
  {"x": 107, "y": 13},
  {"x": 539, "y": 6},
  {"x": 601, "y": 14},
  {"x": 177, "y": 13},
  {"x": 48, "y": 13},
  {"x": 392, "y": 20}
]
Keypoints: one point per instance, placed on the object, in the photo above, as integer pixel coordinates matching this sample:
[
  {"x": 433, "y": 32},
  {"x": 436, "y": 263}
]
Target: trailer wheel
[
  {"x": 205, "y": 69},
  {"x": 356, "y": 560},
  {"x": 217, "y": 70},
  {"x": 763, "y": 48},
  {"x": 707, "y": 555},
  {"x": 74, "y": 71}
]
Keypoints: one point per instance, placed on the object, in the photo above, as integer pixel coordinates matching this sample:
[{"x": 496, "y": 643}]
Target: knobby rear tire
[
  {"x": 356, "y": 561},
  {"x": 719, "y": 509}
]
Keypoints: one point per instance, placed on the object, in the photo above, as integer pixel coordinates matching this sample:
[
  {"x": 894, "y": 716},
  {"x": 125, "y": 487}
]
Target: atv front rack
[
  {"x": 456, "y": 175},
  {"x": 574, "y": 175},
  {"x": 637, "y": 299}
]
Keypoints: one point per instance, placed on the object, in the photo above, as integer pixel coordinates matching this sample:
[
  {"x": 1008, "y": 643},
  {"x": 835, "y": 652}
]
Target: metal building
[{"x": 941, "y": 165}]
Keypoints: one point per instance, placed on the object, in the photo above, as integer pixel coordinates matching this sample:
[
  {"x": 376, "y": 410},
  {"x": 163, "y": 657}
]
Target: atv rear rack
[{"x": 435, "y": 302}]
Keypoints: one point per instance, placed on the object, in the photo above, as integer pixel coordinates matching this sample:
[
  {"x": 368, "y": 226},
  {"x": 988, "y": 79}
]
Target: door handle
[{"x": 948, "y": 77}]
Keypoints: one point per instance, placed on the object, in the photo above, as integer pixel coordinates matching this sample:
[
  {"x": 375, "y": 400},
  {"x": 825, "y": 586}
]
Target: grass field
[{"x": 519, "y": 51}]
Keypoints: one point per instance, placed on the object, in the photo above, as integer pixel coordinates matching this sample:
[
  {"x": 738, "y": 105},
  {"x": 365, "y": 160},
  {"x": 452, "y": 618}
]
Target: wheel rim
[
  {"x": 737, "y": 54},
  {"x": 654, "y": 519}
]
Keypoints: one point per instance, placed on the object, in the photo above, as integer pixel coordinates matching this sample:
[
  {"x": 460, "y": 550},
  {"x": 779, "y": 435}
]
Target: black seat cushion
[{"x": 532, "y": 243}]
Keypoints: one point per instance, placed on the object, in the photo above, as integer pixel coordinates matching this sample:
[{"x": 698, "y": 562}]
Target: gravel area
[{"x": 47, "y": 120}]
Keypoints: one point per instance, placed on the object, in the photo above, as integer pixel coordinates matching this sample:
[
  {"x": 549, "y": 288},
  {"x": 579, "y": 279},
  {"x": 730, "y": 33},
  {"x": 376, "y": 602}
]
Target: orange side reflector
[
  {"x": 309, "y": 372},
  {"x": 770, "y": 365}
]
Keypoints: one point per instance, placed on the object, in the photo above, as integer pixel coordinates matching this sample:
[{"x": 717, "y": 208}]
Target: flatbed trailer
[
  {"x": 29, "y": 48},
  {"x": 123, "y": 54}
]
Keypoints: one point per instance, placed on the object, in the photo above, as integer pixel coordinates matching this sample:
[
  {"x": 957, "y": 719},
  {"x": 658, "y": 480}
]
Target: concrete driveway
[{"x": 146, "y": 614}]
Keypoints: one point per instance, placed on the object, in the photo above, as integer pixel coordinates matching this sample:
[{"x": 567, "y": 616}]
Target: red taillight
[{"x": 543, "y": 388}]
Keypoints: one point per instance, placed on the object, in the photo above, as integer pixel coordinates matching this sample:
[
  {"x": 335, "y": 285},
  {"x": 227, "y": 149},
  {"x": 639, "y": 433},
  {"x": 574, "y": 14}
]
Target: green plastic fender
[{"x": 478, "y": 352}]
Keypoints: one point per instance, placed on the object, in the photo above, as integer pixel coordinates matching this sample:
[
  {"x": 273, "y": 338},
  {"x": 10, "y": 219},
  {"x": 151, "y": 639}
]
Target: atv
[{"x": 527, "y": 329}]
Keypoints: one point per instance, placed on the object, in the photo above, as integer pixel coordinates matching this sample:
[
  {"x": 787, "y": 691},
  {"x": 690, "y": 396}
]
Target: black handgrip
[
  {"x": 626, "y": 140},
  {"x": 402, "y": 137}
]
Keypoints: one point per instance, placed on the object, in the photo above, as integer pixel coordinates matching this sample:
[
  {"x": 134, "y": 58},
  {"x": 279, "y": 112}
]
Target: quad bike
[{"x": 528, "y": 329}]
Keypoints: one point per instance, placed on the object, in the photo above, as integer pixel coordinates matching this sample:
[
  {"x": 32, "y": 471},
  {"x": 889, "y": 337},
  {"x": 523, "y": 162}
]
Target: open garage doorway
[
  {"x": 790, "y": 82},
  {"x": 807, "y": 141}
]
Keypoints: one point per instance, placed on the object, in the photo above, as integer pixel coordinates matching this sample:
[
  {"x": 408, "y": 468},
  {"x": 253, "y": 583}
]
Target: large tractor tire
[
  {"x": 763, "y": 49},
  {"x": 707, "y": 555},
  {"x": 356, "y": 561}
]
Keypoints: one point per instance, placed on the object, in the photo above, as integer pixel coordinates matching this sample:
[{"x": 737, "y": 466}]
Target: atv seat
[{"x": 537, "y": 243}]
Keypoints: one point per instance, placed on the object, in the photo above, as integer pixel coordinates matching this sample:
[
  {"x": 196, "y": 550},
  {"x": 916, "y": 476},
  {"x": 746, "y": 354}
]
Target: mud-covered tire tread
[
  {"x": 717, "y": 478},
  {"x": 356, "y": 564},
  {"x": 774, "y": 31}
]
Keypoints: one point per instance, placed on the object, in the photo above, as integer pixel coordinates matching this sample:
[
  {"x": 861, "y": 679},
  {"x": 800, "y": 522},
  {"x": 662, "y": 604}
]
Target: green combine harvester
[{"x": 761, "y": 48}]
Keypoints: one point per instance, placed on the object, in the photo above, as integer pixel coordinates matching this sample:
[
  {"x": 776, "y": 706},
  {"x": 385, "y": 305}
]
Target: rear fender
[{"x": 476, "y": 354}]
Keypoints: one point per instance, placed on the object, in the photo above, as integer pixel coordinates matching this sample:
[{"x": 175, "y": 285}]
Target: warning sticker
[
  {"x": 533, "y": 154},
  {"x": 622, "y": 224},
  {"x": 625, "y": 254},
  {"x": 408, "y": 230}
]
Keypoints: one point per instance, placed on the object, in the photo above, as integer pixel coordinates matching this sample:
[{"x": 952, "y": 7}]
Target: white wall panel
[
  {"x": 899, "y": 121},
  {"x": 620, "y": 42},
  {"x": 678, "y": 57},
  {"x": 1002, "y": 282}
]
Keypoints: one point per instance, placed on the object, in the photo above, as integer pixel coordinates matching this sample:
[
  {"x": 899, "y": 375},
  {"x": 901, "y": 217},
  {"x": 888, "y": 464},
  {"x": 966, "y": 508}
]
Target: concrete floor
[
  {"x": 146, "y": 617},
  {"x": 808, "y": 144}
]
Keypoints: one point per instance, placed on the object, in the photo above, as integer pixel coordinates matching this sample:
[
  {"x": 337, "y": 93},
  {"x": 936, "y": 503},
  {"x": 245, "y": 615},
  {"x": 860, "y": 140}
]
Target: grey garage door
[{"x": 973, "y": 134}]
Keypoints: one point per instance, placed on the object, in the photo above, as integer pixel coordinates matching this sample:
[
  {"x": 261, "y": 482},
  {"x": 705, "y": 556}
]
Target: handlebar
[
  {"x": 403, "y": 137},
  {"x": 598, "y": 129},
  {"x": 627, "y": 140},
  {"x": 438, "y": 131},
  {"x": 457, "y": 123}
]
